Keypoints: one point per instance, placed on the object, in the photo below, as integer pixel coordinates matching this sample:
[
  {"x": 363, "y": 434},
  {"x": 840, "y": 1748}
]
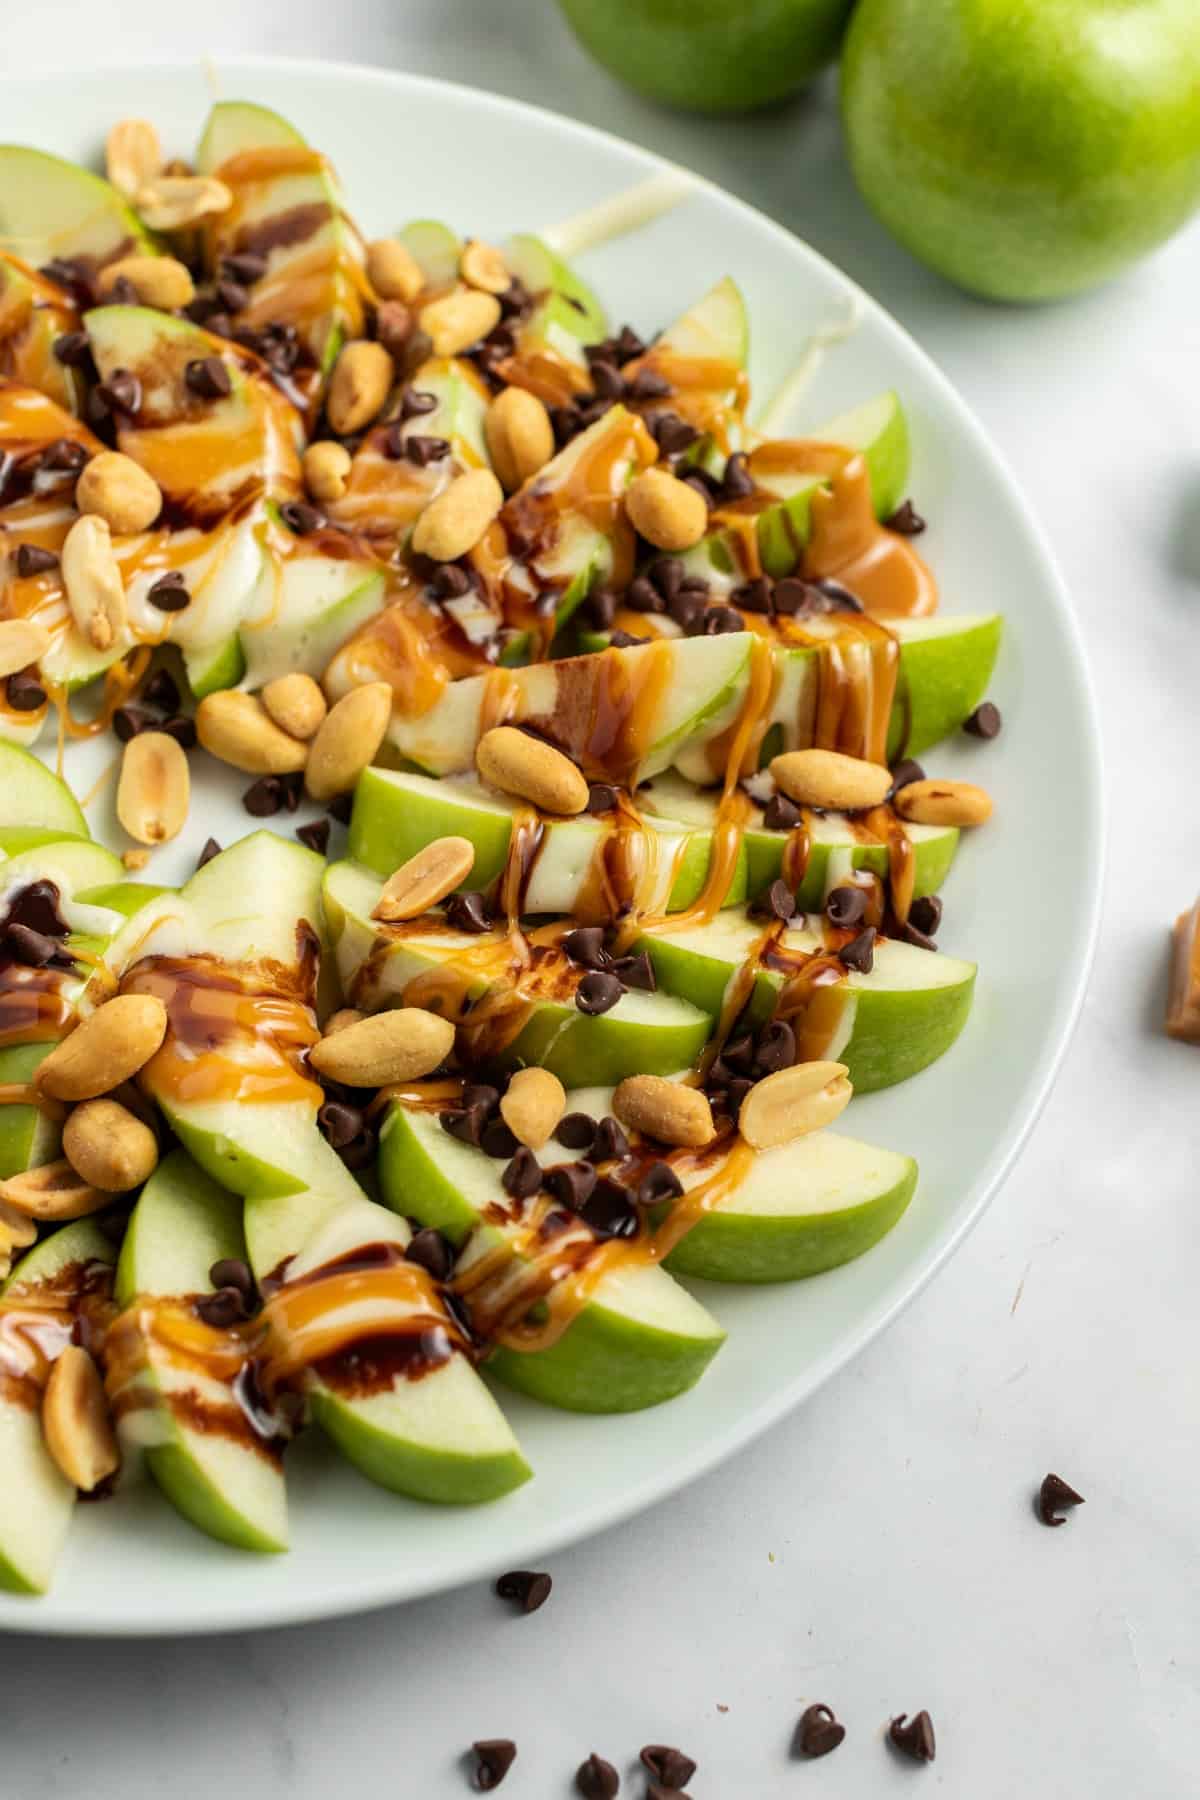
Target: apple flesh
[
  {"x": 34, "y": 314},
  {"x": 52, "y": 208}
]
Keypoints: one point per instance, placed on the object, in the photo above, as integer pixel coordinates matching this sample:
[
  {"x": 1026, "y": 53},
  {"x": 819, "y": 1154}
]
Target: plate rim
[{"x": 25, "y": 1615}]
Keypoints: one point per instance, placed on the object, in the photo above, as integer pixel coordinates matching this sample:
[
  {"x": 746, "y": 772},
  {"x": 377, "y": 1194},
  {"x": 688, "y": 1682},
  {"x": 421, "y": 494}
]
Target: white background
[{"x": 878, "y": 1551}]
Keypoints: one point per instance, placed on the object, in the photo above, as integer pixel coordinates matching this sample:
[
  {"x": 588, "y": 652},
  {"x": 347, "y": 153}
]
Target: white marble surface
[{"x": 878, "y": 1550}]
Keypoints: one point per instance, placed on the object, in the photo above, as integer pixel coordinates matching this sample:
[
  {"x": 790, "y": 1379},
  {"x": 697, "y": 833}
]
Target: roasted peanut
[
  {"x": 132, "y": 156},
  {"x": 520, "y": 437},
  {"x": 173, "y": 202},
  {"x": 110, "y": 1148},
  {"x": 338, "y": 1021},
  {"x": 389, "y": 1046},
  {"x": 92, "y": 579},
  {"x": 669, "y": 1111},
  {"x": 326, "y": 470},
  {"x": 160, "y": 281},
  {"x": 21, "y": 643},
  {"x": 393, "y": 270},
  {"x": 107, "y": 1048},
  {"x": 119, "y": 491},
  {"x": 531, "y": 769},
  {"x": 76, "y": 1422},
  {"x": 236, "y": 728},
  {"x": 456, "y": 519},
  {"x": 459, "y": 319},
  {"x": 666, "y": 511},
  {"x": 347, "y": 740},
  {"x": 793, "y": 1102},
  {"x": 533, "y": 1106},
  {"x": 296, "y": 704},
  {"x": 17, "y": 1230},
  {"x": 482, "y": 266},
  {"x": 425, "y": 879},
  {"x": 154, "y": 788},
  {"x": 52, "y": 1192},
  {"x": 827, "y": 779},
  {"x": 362, "y": 377},
  {"x": 944, "y": 803}
]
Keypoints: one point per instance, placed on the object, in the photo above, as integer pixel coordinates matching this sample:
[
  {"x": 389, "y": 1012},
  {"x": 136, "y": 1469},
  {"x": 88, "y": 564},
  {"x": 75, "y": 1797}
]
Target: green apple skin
[
  {"x": 27, "y": 1137},
  {"x": 708, "y": 56},
  {"x": 933, "y": 857},
  {"x": 50, "y": 207},
  {"x": 1026, "y": 149},
  {"x": 878, "y": 430},
  {"x": 32, "y": 796},
  {"x": 944, "y": 674}
]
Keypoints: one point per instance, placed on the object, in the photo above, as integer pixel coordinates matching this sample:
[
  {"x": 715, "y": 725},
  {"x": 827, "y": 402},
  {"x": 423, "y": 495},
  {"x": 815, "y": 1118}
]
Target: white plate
[{"x": 1023, "y": 898}]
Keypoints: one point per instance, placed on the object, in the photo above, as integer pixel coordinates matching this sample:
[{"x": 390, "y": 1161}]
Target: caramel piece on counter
[{"x": 1183, "y": 999}]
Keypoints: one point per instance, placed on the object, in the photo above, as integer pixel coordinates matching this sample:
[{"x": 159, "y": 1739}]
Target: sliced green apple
[
  {"x": 34, "y": 314},
  {"x": 436, "y": 249},
  {"x": 878, "y": 431},
  {"x": 304, "y": 608},
  {"x": 702, "y": 356},
  {"x": 32, "y": 795},
  {"x": 50, "y": 208}
]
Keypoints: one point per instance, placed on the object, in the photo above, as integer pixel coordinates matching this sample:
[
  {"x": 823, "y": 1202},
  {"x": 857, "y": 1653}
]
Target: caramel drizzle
[{"x": 38, "y": 1321}]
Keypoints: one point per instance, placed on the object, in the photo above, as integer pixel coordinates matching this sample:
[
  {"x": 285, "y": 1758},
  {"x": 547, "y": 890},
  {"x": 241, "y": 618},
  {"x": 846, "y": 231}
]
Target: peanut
[
  {"x": 326, "y": 470},
  {"x": 17, "y": 1230},
  {"x": 520, "y": 437},
  {"x": 76, "y": 1422},
  {"x": 359, "y": 386},
  {"x": 21, "y": 643},
  {"x": 236, "y": 728},
  {"x": 666, "y": 511},
  {"x": 173, "y": 202},
  {"x": 107, "y": 1048},
  {"x": 793, "y": 1102},
  {"x": 296, "y": 704},
  {"x": 944, "y": 803},
  {"x": 425, "y": 879},
  {"x": 388, "y": 1046},
  {"x": 393, "y": 270},
  {"x": 456, "y": 519},
  {"x": 531, "y": 769},
  {"x": 135, "y": 860},
  {"x": 52, "y": 1192},
  {"x": 154, "y": 788},
  {"x": 132, "y": 156},
  {"x": 110, "y": 1148},
  {"x": 535, "y": 1102},
  {"x": 347, "y": 740},
  {"x": 92, "y": 579},
  {"x": 827, "y": 779},
  {"x": 482, "y": 266},
  {"x": 459, "y": 319},
  {"x": 159, "y": 281},
  {"x": 667, "y": 1110},
  {"x": 338, "y": 1021},
  {"x": 119, "y": 491}
]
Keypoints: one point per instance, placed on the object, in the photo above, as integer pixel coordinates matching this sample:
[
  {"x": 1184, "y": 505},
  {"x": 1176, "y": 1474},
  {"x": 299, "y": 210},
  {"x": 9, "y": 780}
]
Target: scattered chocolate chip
[
  {"x": 162, "y": 692},
  {"x": 244, "y": 266},
  {"x": 845, "y": 906},
  {"x": 859, "y": 953},
  {"x": 598, "y": 992},
  {"x": 659, "y": 1183},
  {"x": 24, "y": 692},
  {"x": 341, "y": 807},
  {"x": 908, "y": 933},
  {"x": 686, "y": 609},
  {"x": 122, "y": 292},
  {"x": 431, "y": 1252},
  {"x": 495, "y": 1758},
  {"x": 27, "y": 946},
  {"x": 609, "y": 1210},
  {"x": 264, "y": 797},
  {"x": 425, "y": 450},
  {"x": 840, "y": 597},
  {"x": 315, "y": 835},
  {"x": 644, "y": 597},
  {"x": 625, "y": 640},
  {"x": 596, "y": 1779},
  {"x": 73, "y": 349},
  {"x": 610, "y": 1143},
  {"x": 607, "y": 380},
  {"x": 467, "y": 912},
  {"x": 340, "y": 1122},
  {"x": 716, "y": 621},
  {"x": 224, "y": 1308},
  {"x": 211, "y": 849},
  {"x": 1053, "y": 1495},
  {"x": 776, "y": 902},
  {"x": 984, "y": 722},
  {"x": 636, "y": 971},
  {"x": 360, "y": 1154},
  {"x": 231, "y": 1271},
  {"x": 570, "y": 1183},
  {"x": 601, "y": 608},
  {"x": 648, "y": 384},
  {"x": 208, "y": 377},
  {"x": 602, "y": 798},
  {"x": 523, "y": 1176},
  {"x": 33, "y": 560},
  {"x": 584, "y": 944},
  {"x": 530, "y": 1588},
  {"x": 904, "y": 774},
  {"x": 906, "y": 520},
  {"x": 449, "y": 581},
  {"x": 818, "y": 1732},
  {"x": 781, "y": 814},
  {"x": 926, "y": 914},
  {"x": 464, "y": 1123},
  {"x": 301, "y": 518},
  {"x": 74, "y": 272},
  {"x": 122, "y": 392},
  {"x": 65, "y": 456},
  {"x": 753, "y": 596},
  {"x": 127, "y": 721},
  {"x": 496, "y": 1139},
  {"x": 481, "y": 1094},
  {"x": 738, "y": 483},
  {"x": 182, "y": 729},
  {"x": 393, "y": 326},
  {"x": 169, "y": 593},
  {"x": 414, "y": 403},
  {"x": 695, "y": 479},
  {"x": 914, "y": 1737},
  {"x": 292, "y": 786},
  {"x": 672, "y": 434},
  {"x": 232, "y": 296},
  {"x": 668, "y": 1766},
  {"x": 776, "y": 1047},
  {"x": 576, "y": 1131}
]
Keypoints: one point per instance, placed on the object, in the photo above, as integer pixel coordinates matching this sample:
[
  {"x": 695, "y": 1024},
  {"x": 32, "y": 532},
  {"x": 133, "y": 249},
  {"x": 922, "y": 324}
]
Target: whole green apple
[
  {"x": 711, "y": 55},
  {"x": 1027, "y": 149}
]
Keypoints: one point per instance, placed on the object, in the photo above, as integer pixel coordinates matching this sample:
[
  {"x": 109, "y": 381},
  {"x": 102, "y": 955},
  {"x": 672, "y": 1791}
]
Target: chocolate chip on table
[
  {"x": 211, "y": 849},
  {"x": 906, "y": 520},
  {"x": 183, "y": 730},
  {"x": 530, "y": 1588},
  {"x": 315, "y": 835},
  {"x": 431, "y": 1252},
  {"x": 576, "y": 1131},
  {"x": 523, "y": 1176},
  {"x": 122, "y": 392},
  {"x": 925, "y": 914},
  {"x": 497, "y": 1140},
  {"x": 301, "y": 518},
  {"x": 686, "y": 608},
  {"x": 598, "y": 993},
  {"x": 495, "y": 1758},
  {"x": 570, "y": 1183},
  {"x": 224, "y": 1308},
  {"x": 859, "y": 953},
  {"x": 738, "y": 483},
  {"x": 914, "y": 1737},
  {"x": 264, "y": 797},
  {"x": 791, "y": 596},
  {"x": 24, "y": 692},
  {"x": 33, "y": 560},
  {"x": 636, "y": 971},
  {"x": 659, "y": 1183},
  {"x": 208, "y": 377},
  {"x": 231, "y": 1271},
  {"x": 73, "y": 349},
  {"x": 596, "y": 1779},
  {"x": 341, "y": 807},
  {"x": 776, "y": 1048},
  {"x": 818, "y": 1732},
  {"x": 467, "y": 912},
  {"x": 162, "y": 692},
  {"x": 845, "y": 906},
  {"x": 904, "y": 774},
  {"x": 584, "y": 944},
  {"x": 668, "y": 1766},
  {"x": 775, "y": 902},
  {"x": 1053, "y": 1496},
  {"x": 984, "y": 722},
  {"x": 127, "y": 721},
  {"x": 169, "y": 593}
]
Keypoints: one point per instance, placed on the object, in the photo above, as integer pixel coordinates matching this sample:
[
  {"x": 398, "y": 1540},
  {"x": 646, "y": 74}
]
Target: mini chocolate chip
[
  {"x": 598, "y": 993},
  {"x": 607, "y": 380},
  {"x": 231, "y": 1271},
  {"x": 609, "y": 1210},
  {"x": 596, "y": 1779},
  {"x": 637, "y": 971},
  {"x": 224, "y": 1308},
  {"x": 449, "y": 581},
  {"x": 37, "y": 906},
  {"x": 695, "y": 480},
  {"x": 656, "y": 1791},
  {"x": 738, "y": 482},
  {"x": 584, "y": 944},
  {"x": 686, "y": 608},
  {"x": 341, "y": 807},
  {"x": 183, "y": 730},
  {"x": 570, "y": 1183},
  {"x": 359, "y": 1154},
  {"x": 908, "y": 933},
  {"x": 425, "y": 450},
  {"x": 33, "y": 560},
  {"x": 300, "y": 517},
  {"x": 601, "y": 797},
  {"x": 925, "y": 914},
  {"x": 738, "y": 1054},
  {"x": 64, "y": 456},
  {"x": 753, "y": 596},
  {"x": 659, "y": 1183},
  {"x": 515, "y": 300},
  {"x": 30, "y": 947},
  {"x": 841, "y": 598},
  {"x": 818, "y": 1732},
  {"x": 776, "y": 901},
  {"x": 610, "y": 1143},
  {"x": 530, "y": 1588},
  {"x": 497, "y": 1140},
  {"x": 340, "y": 1122},
  {"x": 233, "y": 295},
  {"x": 859, "y": 953},
  {"x": 467, "y": 912},
  {"x": 1053, "y": 1495},
  {"x": 463, "y": 1123},
  {"x": 565, "y": 422},
  {"x": 24, "y": 692},
  {"x": 601, "y": 607},
  {"x": 672, "y": 434},
  {"x": 292, "y": 785},
  {"x": 670, "y": 1767},
  {"x": 162, "y": 692},
  {"x": 914, "y": 1737},
  {"x": 791, "y": 596},
  {"x": 481, "y": 1094},
  {"x": 625, "y": 640},
  {"x": 431, "y": 1252},
  {"x": 393, "y": 327},
  {"x": 984, "y": 722},
  {"x": 127, "y": 721},
  {"x": 718, "y": 620},
  {"x": 315, "y": 835},
  {"x": 644, "y": 597},
  {"x": 208, "y": 377},
  {"x": 648, "y": 384},
  {"x": 496, "y": 1757},
  {"x": 415, "y": 403},
  {"x": 523, "y": 1176},
  {"x": 264, "y": 797},
  {"x": 169, "y": 593},
  {"x": 845, "y": 906},
  {"x": 776, "y": 1047},
  {"x": 903, "y": 774},
  {"x": 781, "y": 814},
  {"x": 72, "y": 349},
  {"x": 906, "y": 520},
  {"x": 394, "y": 444},
  {"x": 122, "y": 292},
  {"x": 576, "y": 1131},
  {"x": 122, "y": 392},
  {"x": 211, "y": 849},
  {"x": 246, "y": 266},
  {"x": 695, "y": 584}
]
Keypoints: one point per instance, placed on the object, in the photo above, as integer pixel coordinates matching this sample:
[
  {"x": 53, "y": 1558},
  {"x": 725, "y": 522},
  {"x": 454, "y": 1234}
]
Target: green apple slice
[
  {"x": 382, "y": 966},
  {"x": 567, "y": 299},
  {"x": 891, "y": 1023},
  {"x": 34, "y": 313},
  {"x": 31, "y": 794},
  {"x": 641, "y": 1339},
  {"x": 435, "y": 248},
  {"x": 52, "y": 208},
  {"x": 200, "y": 1449},
  {"x": 946, "y": 664},
  {"x": 36, "y": 1499},
  {"x": 304, "y": 609},
  {"x": 878, "y": 431},
  {"x": 703, "y": 356}
]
